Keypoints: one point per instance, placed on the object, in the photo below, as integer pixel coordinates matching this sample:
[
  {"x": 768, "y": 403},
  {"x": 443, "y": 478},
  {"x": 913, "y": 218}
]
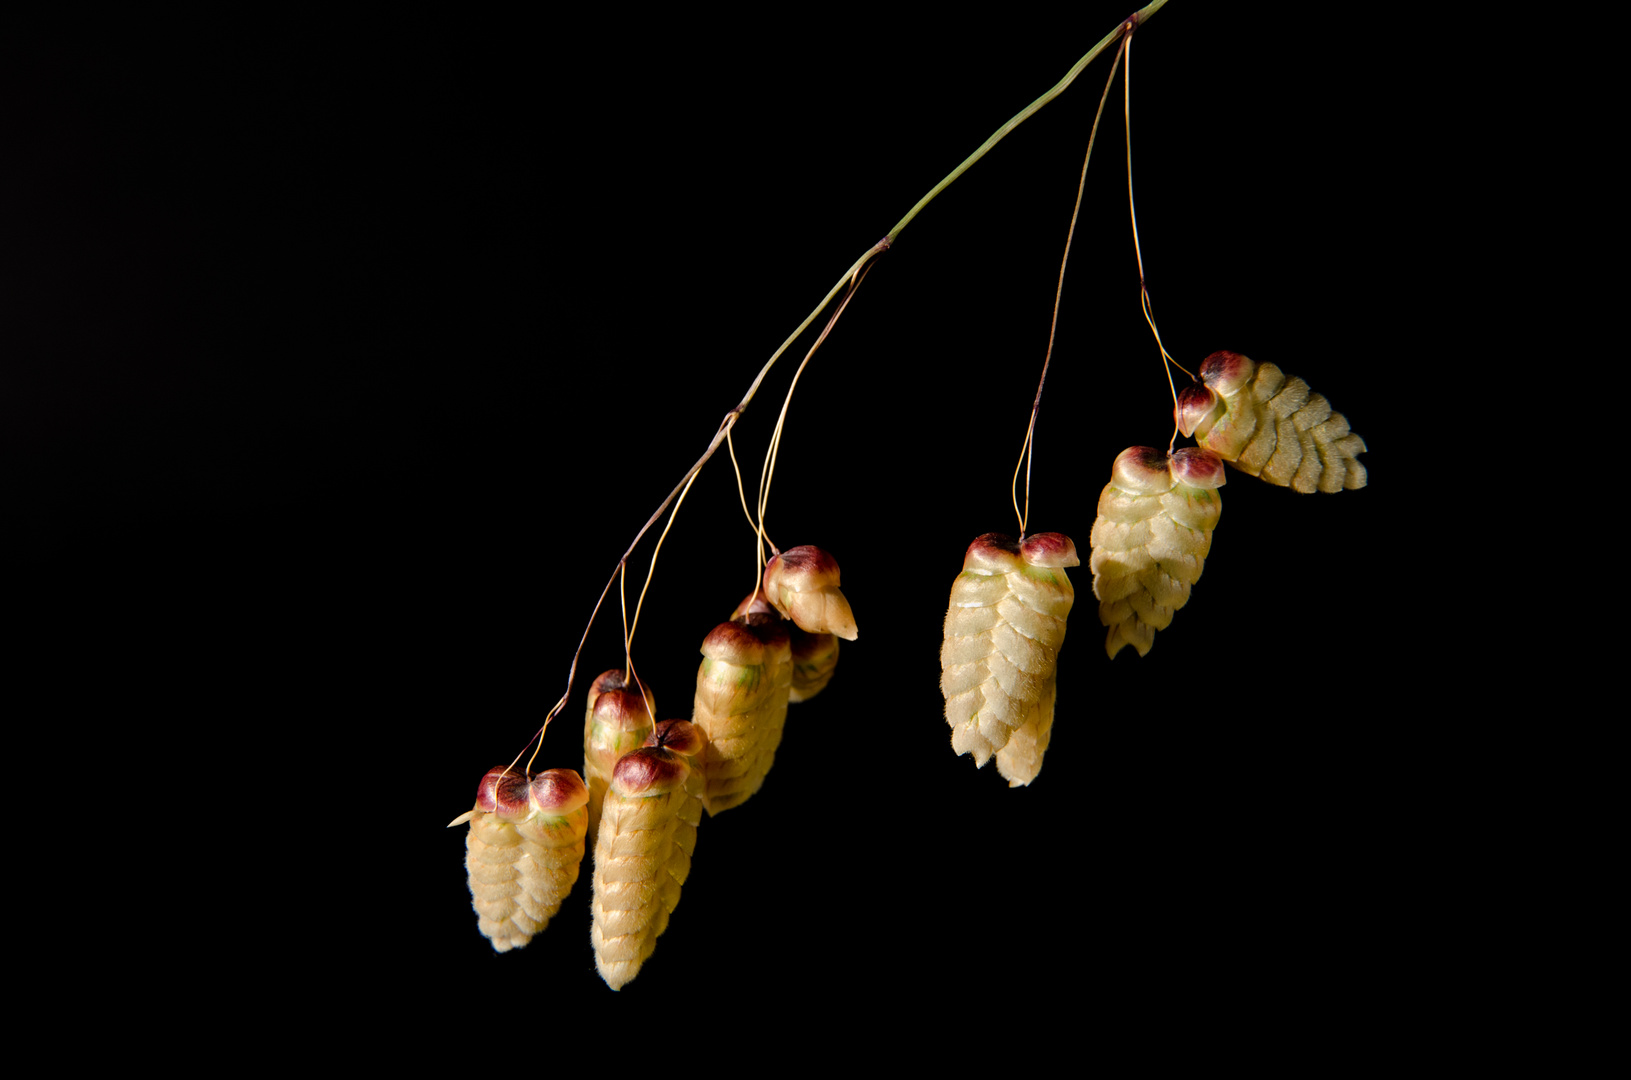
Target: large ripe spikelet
[
  {"x": 802, "y": 583},
  {"x": 1003, "y": 631},
  {"x": 648, "y": 833},
  {"x": 1270, "y": 426},
  {"x": 741, "y": 706},
  {"x": 1150, "y": 541},
  {"x": 523, "y": 850},
  {"x": 616, "y": 721},
  {"x": 815, "y": 656}
]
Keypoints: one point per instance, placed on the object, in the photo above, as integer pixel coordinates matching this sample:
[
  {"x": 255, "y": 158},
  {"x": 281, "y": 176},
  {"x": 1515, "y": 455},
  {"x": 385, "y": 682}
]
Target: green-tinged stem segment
[
  {"x": 849, "y": 277},
  {"x": 1025, "y": 114}
]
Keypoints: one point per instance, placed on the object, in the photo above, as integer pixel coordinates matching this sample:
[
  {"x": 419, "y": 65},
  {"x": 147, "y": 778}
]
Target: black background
[{"x": 343, "y": 361}]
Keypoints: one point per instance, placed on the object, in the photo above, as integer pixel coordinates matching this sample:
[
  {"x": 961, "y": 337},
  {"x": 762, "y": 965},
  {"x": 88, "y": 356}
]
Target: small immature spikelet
[
  {"x": 802, "y": 583},
  {"x": 523, "y": 850},
  {"x": 616, "y": 721},
  {"x": 998, "y": 661},
  {"x": 741, "y": 706},
  {"x": 1150, "y": 541},
  {"x": 1270, "y": 426},
  {"x": 648, "y": 833},
  {"x": 815, "y": 656}
]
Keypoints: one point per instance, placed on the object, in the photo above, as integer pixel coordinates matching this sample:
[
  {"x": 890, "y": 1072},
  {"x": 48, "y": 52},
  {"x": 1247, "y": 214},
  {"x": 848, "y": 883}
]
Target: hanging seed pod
[
  {"x": 803, "y": 584},
  {"x": 1270, "y": 426},
  {"x": 1150, "y": 541},
  {"x": 815, "y": 656},
  {"x": 648, "y": 833},
  {"x": 741, "y": 705},
  {"x": 998, "y": 661},
  {"x": 616, "y": 721},
  {"x": 523, "y": 850}
]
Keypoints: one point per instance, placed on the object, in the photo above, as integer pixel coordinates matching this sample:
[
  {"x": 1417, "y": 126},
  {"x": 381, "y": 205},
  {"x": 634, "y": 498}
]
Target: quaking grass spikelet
[
  {"x": 1151, "y": 538},
  {"x": 743, "y": 684},
  {"x": 523, "y": 850},
  {"x": 802, "y": 583},
  {"x": 1270, "y": 425},
  {"x": 648, "y": 833},
  {"x": 616, "y": 721},
  {"x": 1003, "y": 631}
]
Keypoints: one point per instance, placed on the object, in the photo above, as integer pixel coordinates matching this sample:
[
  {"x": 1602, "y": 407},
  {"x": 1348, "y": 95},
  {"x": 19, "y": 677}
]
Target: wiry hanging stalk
[{"x": 648, "y": 833}]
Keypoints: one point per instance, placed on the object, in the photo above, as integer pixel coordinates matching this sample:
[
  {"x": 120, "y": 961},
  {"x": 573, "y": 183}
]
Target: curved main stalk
[{"x": 848, "y": 279}]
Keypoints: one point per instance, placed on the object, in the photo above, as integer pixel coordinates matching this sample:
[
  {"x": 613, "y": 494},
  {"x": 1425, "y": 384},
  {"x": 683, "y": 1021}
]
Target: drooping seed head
[{"x": 802, "y": 583}]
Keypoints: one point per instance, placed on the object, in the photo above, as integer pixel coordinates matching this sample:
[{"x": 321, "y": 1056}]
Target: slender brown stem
[
  {"x": 767, "y": 472},
  {"x": 1143, "y": 286},
  {"x": 1026, "y": 451}
]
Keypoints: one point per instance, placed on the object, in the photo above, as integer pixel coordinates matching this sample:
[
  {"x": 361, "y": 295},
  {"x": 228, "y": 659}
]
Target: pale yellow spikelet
[
  {"x": 743, "y": 685},
  {"x": 999, "y": 655},
  {"x": 1150, "y": 540},
  {"x": 618, "y": 719},
  {"x": 523, "y": 850},
  {"x": 802, "y": 583},
  {"x": 1271, "y": 426},
  {"x": 648, "y": 834}
]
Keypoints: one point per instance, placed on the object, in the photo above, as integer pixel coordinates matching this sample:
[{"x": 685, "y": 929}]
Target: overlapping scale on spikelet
[
  {"x": 648, "y": 834},
  {"x": 998, "y": 659},
  {"x": 617, "y": 719},
  {"x": 802, "y": 583},
  {"x": 743, "y": 685},
  {"x": 1270, "y": 425},
  {"x": 523, "y": 850},
  {"x": 1150, "y": 540}
]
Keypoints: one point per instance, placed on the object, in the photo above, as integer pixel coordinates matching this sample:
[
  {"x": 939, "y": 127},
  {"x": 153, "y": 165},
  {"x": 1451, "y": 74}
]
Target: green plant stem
[{"x": 1025, "y": 114}]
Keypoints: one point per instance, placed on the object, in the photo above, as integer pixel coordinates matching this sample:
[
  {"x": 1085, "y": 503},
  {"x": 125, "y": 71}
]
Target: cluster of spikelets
[
  {"x": 1006, "y": 620},
  {"x": 649, "y": 782},
  {"x": 1156, "y": 515}
]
